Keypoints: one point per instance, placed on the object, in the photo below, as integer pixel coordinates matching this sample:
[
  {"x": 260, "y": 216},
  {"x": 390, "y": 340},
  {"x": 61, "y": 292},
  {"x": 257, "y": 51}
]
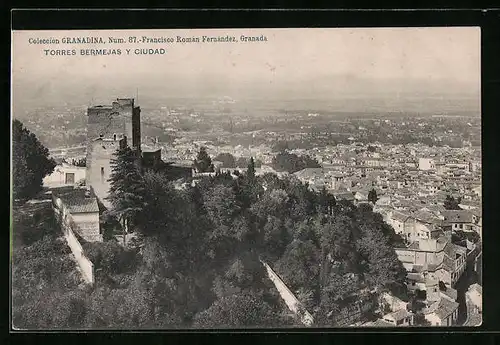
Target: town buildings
[{"x": 411, "y": 181}]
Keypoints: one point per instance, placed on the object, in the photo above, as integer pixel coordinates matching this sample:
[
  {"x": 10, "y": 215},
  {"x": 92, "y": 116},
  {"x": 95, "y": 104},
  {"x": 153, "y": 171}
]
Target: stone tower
[{"x": 108, "y": 127}]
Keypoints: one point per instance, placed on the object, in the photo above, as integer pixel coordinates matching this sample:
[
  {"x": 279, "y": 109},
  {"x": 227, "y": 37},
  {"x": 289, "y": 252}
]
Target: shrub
[{"x": 110, "y": 256}]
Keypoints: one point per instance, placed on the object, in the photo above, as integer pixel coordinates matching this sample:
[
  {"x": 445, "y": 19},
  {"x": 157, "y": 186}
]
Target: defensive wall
[{"x": 69, "y": 227}]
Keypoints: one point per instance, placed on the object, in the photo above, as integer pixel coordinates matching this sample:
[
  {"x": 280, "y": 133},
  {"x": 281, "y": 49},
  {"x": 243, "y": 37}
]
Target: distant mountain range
[{"x": 338, "y": 91}]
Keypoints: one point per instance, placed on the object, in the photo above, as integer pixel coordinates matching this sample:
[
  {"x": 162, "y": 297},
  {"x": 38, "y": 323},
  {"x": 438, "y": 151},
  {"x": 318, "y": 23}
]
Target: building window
[
  {"x": 70, "y": 178},
  {"x": 102, "y": 174}
]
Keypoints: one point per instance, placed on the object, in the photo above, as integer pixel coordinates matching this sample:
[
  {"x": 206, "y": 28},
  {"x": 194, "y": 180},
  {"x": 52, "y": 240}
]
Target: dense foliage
[
  {"x": 227, "y": 160},
  {"x": 30, "y": 162},
  {"x": 291, "y": 163},
  {"x": 199, "y": 260},
  {"x": 82, "y": 162},
  {"x": 242, "y": 162},
  {"x": 203, "y": 162},
  {"x": 450, "y": 203}
]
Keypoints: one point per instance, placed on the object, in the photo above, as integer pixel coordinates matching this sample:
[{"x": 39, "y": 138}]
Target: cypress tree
[
  {"x": 372, "y": 196},
  {"x": 251, "y": 169},
  {"x": 126, "y": 193}
]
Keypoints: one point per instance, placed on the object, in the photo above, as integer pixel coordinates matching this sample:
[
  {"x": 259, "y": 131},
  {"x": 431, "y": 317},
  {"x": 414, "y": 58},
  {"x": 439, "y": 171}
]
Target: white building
[
  {"x": 64, "y": 175},
  {"x": 426, "y": 164}
]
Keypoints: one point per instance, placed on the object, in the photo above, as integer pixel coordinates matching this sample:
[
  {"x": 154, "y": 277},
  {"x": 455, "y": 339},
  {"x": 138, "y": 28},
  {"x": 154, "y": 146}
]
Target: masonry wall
[
  {"x": 433, "y": 319},
  {"x": 68, "y": 226},
  {"x": 104, "y": 121},
  {"x": 58, "y": 176},
  {"x": 136, "y": 128},
  {"x": 86, "y": 266},
  {"x": 416, "y": 257},
  {"x": 444, "y": 276},
  {"x": 88, "y": 226},
  {"x": 291, "y": 301},
  {"x": 125, "y": 107},
  {"x": 99, "y": 167}
]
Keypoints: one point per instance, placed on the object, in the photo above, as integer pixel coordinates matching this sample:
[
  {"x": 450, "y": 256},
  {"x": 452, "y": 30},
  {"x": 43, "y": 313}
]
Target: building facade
[
  {"x": 64, "y": 175},
  {"x": 108, "y": 128}
]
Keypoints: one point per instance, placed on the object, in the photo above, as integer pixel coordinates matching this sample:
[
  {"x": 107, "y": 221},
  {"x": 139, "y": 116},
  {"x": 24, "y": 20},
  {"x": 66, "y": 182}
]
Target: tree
[
  {"x": 251, "y": 170},
  {"x": 246, "y": 272},
  {"x": 203, "y": 162},
  {"x": 451, "y": 203},
  {"x": 250, "y": 189},
  {"x": 326, "y": 201},
  {"x": 379, "y": 262},
  {"x": 309, "y": 162},
  {"x": 290, "y": 162},
  {"x": 339, "y": 291},
  {"x": 299, "y": 266},
  {"x": 30, "y": 162},
  {"x": 238, "y": 311},
  {"x": 281, "y": 146},
  {"x": 372, "y": 196},
  {"x": 241, "y": 162},
  {"x": 227, "y": 160},
  {"x": 126, "y": 192},
  {"x": 80, "y": 162},
  {"x": 220, "y": 203},
  {"x": 306, "y": 298},
  {"x": 109, "y": 256},
  {"x": 162, "y": 205}
]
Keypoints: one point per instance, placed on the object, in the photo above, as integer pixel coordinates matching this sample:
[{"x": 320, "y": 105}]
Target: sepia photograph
[{"x": 210, "y": 179}]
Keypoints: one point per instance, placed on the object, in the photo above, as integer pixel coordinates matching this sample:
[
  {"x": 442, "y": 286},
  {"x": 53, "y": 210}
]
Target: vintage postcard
[{"x": 246, "y": 178}]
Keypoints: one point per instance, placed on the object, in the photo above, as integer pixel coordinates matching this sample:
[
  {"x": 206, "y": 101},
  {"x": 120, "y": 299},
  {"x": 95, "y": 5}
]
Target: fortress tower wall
[
  {"x": 107, "y": 126},
  {"x": 101, "y": 153}
]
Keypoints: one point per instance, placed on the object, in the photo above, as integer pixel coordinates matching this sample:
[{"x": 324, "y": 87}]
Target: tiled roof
[
  {"x": 345, "y": 196},
  {"x": 399, "y": 314},
  {"x": 459, "y": 249},
  {"x": 448, "y": 264},
  {"x": 57, "y": 191},
  {"x": 310, "y": 172},
  {"x": 427, "y": 217},
  {"x": 430, "y": 281},
  {"x": 429, "y": 245},
  {"x": 379, "y": 323},
  {"x": 433, "y": 267},
  {"x": 401, "y": 217},
  {"x": 77, "y": 202},
  {"x": 416, "y": 277},
  {"x": 476, "y": 287},
  {"x": 451, "y": 293},
  {"x": 457, "y": 216},
  {"x": 445, "y": 308},
  {"x": 87, "y": 205}
]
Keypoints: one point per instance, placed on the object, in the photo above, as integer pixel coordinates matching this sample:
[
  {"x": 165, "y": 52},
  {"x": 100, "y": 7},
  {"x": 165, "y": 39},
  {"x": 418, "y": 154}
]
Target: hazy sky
[{"x": 309, "y": 59}]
